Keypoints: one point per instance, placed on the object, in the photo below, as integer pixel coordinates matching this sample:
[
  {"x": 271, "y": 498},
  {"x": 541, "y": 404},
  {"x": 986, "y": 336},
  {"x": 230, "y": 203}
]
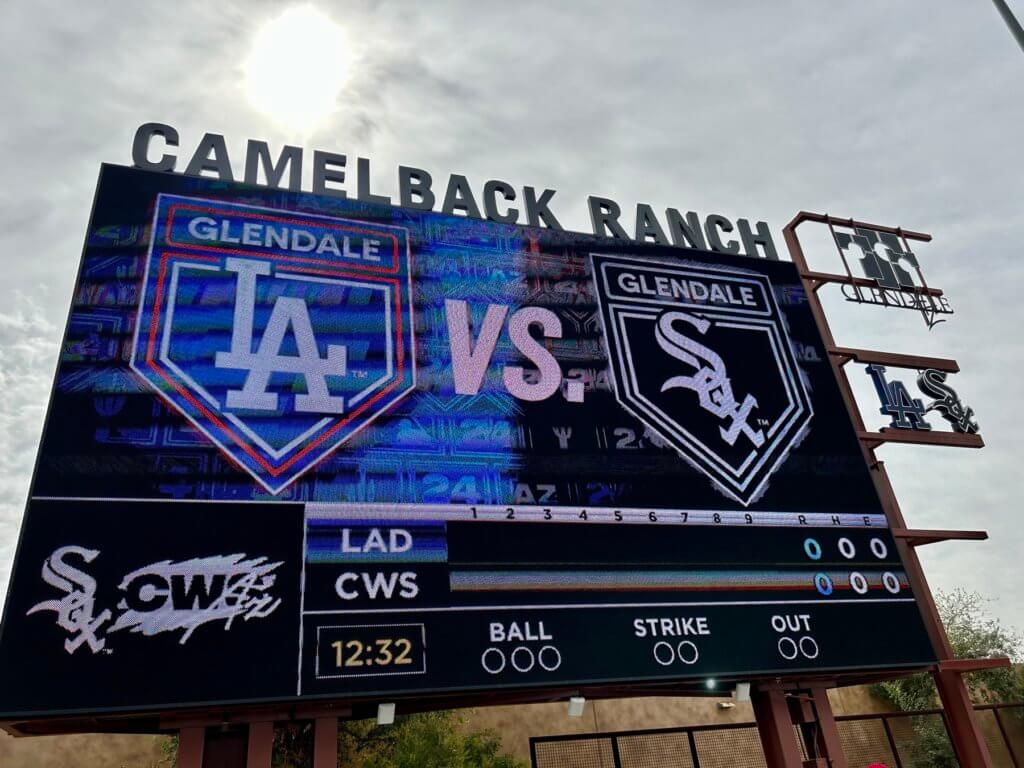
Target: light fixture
[
  {"x": 576, "y": 704},
  {"x": 386, "y": 713},
  {"x": 710, "y": 683}
]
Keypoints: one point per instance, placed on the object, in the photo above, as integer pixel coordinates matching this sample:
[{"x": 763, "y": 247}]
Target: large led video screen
[{"x": 305, "y": 447}]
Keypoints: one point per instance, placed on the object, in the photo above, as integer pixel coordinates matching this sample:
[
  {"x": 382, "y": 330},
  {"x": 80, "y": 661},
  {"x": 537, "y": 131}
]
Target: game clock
[{"x": 363, "y": 650}]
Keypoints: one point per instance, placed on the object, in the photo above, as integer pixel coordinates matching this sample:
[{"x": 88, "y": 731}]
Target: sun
[{"x": 296, "y": 69}]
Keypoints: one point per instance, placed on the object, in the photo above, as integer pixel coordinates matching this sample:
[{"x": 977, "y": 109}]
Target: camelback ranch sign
[{"x": 307, "y": 447}]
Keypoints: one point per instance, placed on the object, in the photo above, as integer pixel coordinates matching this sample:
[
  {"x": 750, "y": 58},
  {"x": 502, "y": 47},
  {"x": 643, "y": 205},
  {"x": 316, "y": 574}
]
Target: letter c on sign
[
  {"x": 140, "y": 147},
  {"x": 146, "y": 592},
  {"x": 339, "y": 586}
]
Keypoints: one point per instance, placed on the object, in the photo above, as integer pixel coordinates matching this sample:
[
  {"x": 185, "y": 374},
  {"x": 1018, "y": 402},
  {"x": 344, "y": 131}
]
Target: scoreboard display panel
[{"x": 306, "y": 447}]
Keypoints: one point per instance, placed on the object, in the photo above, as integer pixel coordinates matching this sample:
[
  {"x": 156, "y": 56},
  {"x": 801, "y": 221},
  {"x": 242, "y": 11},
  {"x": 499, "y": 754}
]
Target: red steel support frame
[
  {"x": 829, "y": 743},
  {"x": 775, "y": 727},
  {"x": 788, "y": 712},
  {"x": 325, "y": 742},
  {"x": 195, "y": 732},
  {"x": 261, "y": 744},
  {"x": 965, "y": 734},
  {"x": 191, "y": 741}
]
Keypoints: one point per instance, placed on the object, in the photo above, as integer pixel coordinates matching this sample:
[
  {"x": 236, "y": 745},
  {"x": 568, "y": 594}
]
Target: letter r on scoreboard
[{"x": 279, "y": 337}]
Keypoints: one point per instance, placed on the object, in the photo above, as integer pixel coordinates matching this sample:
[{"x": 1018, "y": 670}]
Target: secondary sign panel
[{"x": 376, "y": 452}]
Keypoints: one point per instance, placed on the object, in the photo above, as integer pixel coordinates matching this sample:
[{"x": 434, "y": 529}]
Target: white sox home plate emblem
[{"x": 701, "y": 356}]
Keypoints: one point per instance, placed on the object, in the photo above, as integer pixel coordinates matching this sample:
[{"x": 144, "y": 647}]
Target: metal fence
[{"x": 898, "y": 739}]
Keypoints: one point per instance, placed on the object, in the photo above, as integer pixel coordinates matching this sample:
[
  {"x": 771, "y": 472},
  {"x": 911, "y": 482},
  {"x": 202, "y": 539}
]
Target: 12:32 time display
[{"x": 381, "y": 649}]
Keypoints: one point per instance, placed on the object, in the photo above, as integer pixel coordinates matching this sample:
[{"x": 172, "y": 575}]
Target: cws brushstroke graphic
[
  {"x": 279, "y": 335},
  {"x": 162, "y": 597}
]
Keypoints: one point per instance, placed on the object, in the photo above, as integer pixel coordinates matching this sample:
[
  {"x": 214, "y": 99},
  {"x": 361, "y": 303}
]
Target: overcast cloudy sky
[{"x": 907, "y": 113}]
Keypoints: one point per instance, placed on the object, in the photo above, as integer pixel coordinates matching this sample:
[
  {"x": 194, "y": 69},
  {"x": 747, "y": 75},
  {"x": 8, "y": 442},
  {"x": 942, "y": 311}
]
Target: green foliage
[
  {"x": 169, "y": 749},
  {"x": 429, "y": 740},
  {"x": 973, "y": 634},
  {"x": 168, "y": 753},
  {"x": 931, "y": 746}
]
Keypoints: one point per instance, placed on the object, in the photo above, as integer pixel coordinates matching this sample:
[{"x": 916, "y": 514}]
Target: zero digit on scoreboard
[
  {"x": 846, "y": 548},
  {"x": 823, "y": 583},
  {"x": 812, "y": 548}
]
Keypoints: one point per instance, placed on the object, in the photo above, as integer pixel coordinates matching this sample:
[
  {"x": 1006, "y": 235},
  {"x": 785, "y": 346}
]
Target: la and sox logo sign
[{"x": 278, "y": 335}]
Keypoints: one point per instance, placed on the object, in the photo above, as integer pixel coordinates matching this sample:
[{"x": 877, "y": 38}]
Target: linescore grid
[
  {"x": 533, "y": 611},
  {"x": 417, "y": 454}
]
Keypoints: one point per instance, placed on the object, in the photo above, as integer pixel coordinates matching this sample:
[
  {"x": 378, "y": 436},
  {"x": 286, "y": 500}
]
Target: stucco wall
[
  {"x": 80, "y": 751},
  {"x": 514, "y": 724}
]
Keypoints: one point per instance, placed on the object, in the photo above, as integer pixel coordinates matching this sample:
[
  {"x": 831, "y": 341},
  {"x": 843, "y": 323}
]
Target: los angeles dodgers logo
[
  {"x": 701, "y": 356},
  {"x": 279, "y": 335}
]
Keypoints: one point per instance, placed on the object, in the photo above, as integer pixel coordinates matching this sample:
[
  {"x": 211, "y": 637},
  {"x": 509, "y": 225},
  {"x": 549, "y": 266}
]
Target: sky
[{"x": 902, "y": 113}]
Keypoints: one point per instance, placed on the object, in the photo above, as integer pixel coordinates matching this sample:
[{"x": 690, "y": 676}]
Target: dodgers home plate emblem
[
  {"x": 701, "y": 356},
  {"x": 279, "y": 335}
]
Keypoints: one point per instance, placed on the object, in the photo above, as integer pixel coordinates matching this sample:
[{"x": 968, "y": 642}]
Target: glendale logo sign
[
  {"x": 701, "y": 356},
  {"x": 239, "y": 302}
]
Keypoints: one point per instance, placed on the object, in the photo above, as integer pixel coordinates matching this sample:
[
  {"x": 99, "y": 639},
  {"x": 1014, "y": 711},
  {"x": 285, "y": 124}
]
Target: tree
[
  {"x": 973, "y": 634},
  {"x": 429, "y": 740}
]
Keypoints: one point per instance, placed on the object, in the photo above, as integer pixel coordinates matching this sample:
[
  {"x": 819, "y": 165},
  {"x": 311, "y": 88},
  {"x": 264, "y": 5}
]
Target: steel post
[
  {"x": 190, "y": 747},
  {"x": 261, "y": 745},
  {"x": 828, "y": 743},
  {"x": 775, "y": 728},
  {"x": 964, "y": 732},
  {"x": 325, "y": 742}
]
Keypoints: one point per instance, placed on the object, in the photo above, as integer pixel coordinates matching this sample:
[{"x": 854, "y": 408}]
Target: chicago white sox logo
[
  {"x": 726, "y": 328},
  {"x": 947, "y": 402},
  {"x": 711, "y": 383},
  {"x": 279, "y": 335}
]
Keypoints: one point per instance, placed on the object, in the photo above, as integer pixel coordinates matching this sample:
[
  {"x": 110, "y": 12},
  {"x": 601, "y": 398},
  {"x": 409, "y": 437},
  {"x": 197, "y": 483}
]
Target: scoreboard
[{"x": 307, "y": 447}]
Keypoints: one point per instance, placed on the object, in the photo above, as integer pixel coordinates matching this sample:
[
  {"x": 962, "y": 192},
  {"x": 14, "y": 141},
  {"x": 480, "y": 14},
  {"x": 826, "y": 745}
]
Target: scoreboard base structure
[
  {"x": 360, "y": 708},
  {"x": 788, "y": 711}
]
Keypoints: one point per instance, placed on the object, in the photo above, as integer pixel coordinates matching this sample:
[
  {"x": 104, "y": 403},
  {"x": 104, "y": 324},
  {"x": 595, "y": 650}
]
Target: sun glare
[{"x": 297, "y": 67}]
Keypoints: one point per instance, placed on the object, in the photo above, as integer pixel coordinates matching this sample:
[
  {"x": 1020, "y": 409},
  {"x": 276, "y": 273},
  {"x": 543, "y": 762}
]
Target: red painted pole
[
  {"x": 829, "y": 744},
  {"x": 964, "y": 733},
  {"x": 325, "y": 742},
  {"x": 775, "y": 728},
  {"x": 261, "y": 745},
  {"x": 190, "y": 747}
]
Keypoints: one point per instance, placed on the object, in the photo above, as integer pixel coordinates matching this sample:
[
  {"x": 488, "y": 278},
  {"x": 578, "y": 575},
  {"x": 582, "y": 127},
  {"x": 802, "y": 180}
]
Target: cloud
[
  {"x": 28, "y": 347},
  {"x": 871, "y": 109}
]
